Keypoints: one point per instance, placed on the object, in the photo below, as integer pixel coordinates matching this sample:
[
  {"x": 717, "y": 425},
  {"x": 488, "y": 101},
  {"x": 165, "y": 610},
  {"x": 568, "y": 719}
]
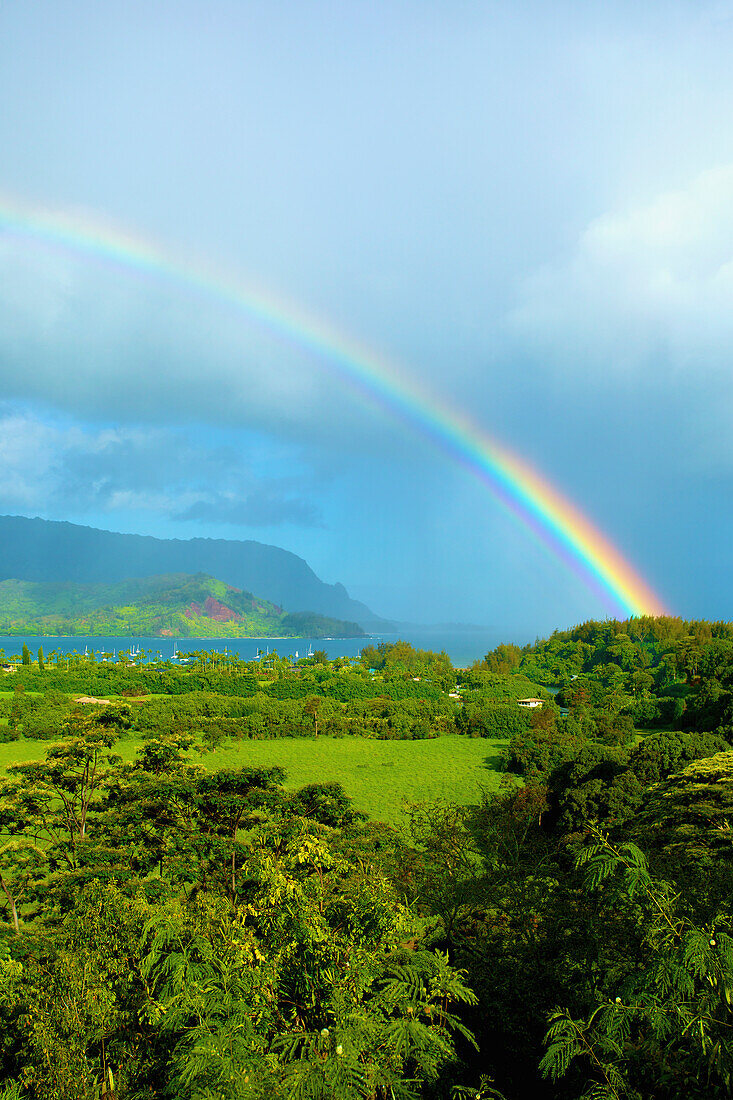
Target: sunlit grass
[{"x": 378, "y": 775}]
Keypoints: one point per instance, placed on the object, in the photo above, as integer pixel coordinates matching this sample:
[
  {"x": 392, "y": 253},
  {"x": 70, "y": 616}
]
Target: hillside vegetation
[
  {"x": 176, "y": 604},
  {"x": 177, "y": 924}
]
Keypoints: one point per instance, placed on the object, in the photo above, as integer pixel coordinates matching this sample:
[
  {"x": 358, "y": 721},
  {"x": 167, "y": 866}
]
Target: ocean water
[{"x": 462, "y": 646}]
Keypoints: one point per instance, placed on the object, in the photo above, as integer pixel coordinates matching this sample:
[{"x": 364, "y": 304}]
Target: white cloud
[
  {"x": 27, "y": 449},
  {"x": 97, "y": 341},
  {"x": 59, "y": 470},
  {"x": 646, "y": 295}
]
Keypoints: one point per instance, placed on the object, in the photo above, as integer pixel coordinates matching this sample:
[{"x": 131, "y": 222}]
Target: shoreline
[{"x": 201, "y": 638}]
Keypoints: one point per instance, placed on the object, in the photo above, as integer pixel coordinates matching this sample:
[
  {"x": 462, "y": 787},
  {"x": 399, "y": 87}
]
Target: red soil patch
[
  {"x": 219, "y": 612},
  {"x": 213, "y": 609}
]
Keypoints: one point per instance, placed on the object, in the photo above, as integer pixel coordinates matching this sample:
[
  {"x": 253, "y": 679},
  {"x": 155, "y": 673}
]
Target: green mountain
[
  {"x": 175, "y": 604},
  {"x": 47, "y": 550}
]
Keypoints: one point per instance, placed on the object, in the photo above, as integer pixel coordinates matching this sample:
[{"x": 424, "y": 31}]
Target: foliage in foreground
[
  {"x": 668, "y": 1017},
  {"x": 206, "y": 935},
  {"x": 307, "y": 990}
]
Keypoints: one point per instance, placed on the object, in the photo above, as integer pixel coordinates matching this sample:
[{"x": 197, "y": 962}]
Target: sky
[{"x": 527, "y": 207}]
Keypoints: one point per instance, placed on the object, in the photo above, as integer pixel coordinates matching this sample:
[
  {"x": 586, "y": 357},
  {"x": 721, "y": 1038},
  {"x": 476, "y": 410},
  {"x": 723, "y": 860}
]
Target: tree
[
  {"x": 22, "y": 867},
  {"x": 41, "y": 664},
  {"x": 625, "y": 653},
  {"x": 78, "y": 1011},
  {"x": 226, "y": 801},
  {"x": 18, "y": 707},
  {"x": 26, "y": 655},
  {"x": 313, "y": 984},
  {"x": 525, "y": 942},
  {"x": 642, "y": 682},
  {"x": 164, "y": 753},
  {"x": 663, "y": 1024},
  {"x": 684, "y": 824},
  {"x": 662, "y": 754},
  {"x": 595, "y": 787},
  {"x": 314, "y": 998},
  {"x": 52, "y": 798},
  {"x": 324, "y": 802},
  {"x": 441, "y": 866},
  {"x": 688, "y": 654},
  {"x": 540, "y": 751},
  {"x": 186, "y": 820},
  {"x": 503, "y": 659},
  {"x": 312, "y": 706}
]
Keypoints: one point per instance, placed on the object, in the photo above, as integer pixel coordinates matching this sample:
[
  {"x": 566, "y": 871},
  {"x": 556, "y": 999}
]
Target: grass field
[{"x": 378, "y": 775}]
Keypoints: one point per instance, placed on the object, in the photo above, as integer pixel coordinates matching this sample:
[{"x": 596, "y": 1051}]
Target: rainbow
[{"x": 556, "y": 523}]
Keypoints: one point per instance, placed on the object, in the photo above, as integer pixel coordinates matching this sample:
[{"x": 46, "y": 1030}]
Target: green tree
[
  {"x": 503, "y": 659},
  {"x": 26, "y": 655},
  {"x": 78, "y": 1013},
  {"x": 323, "y": 802},
  {"x": 441, "y": 866},
  {"x": 663, "y": 1024},
  {"x": 164, "y": 754},
  {"x": 642, "y": 682},
  {"x": 314, "y": 984},
  {"x": 312, "y": 707},
  {"x": 661, "y": 754},
  {"x": 684, "y": 824},
  {"x": 313, "y": 998},
  {"x": 22, "y": 867},
  {"x": 53, "y": 798}
]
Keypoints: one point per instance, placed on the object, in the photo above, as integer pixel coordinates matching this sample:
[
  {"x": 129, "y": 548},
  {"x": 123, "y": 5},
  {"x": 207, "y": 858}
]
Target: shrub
[
  {"x": 492, "y": 720},
  {"x": 662, "y": 754},
  {"x": 595, "y": 787},
  {"x": 537, "y": 751}
]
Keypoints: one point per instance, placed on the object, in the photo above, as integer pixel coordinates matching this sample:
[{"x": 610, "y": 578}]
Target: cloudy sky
[{"x": 528, "y": 206}]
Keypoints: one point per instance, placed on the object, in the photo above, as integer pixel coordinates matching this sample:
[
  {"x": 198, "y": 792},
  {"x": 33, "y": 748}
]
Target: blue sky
[{"x": 529, "y": 205}]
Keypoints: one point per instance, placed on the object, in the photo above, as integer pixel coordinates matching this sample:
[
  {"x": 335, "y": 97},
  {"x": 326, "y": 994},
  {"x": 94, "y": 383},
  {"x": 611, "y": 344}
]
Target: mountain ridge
[{"x": 35, "y": 549}]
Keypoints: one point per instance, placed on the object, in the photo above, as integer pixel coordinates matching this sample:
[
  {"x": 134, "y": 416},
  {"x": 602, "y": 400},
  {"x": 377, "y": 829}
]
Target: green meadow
[{"x": 379, "y": 776}]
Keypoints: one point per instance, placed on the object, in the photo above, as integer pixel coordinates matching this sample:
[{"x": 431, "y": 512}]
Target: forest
[{"x": 172, "y": 929}]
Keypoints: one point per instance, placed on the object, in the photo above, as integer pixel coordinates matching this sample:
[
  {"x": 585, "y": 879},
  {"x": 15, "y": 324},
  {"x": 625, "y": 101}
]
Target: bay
[{"x": 462, "y": 646}]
